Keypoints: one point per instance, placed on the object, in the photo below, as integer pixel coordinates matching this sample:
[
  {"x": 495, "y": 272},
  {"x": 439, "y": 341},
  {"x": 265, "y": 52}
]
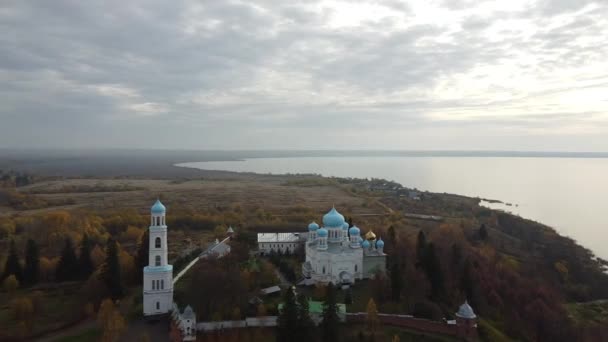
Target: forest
[{"x": 525, "y": 281}]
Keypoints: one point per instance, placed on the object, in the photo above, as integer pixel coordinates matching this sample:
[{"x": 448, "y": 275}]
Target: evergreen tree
[
  {"x": 67, "y": 268},
  {"x": 420, "y": 247},
  {"x": 466, "y": 282},
  {"x": 432, "y": 268},
  {"x": 85, "y": 263},
  {"x": 110, "y": 273},
  {"x": 392, "y": 236},
  {"x": 330, "y": 315},
  {"x": 141, "y": 259},
  {"x": 396, "y": 281},
  {"x": 32, "y": 263},
  {"x": 287, "y": 323},
  {"x": 12, "y": 264},
  {"x": 305, "y": 324},
  {"x": 348, "y": 296},
  {"x": 483, "y": 232}
]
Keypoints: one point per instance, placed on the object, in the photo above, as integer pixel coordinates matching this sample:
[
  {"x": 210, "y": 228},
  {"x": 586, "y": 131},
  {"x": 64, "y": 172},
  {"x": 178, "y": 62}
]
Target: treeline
[{"x": 10, "y": 178}]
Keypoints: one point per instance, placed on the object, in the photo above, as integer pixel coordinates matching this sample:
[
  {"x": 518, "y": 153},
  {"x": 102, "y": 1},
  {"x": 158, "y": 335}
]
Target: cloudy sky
[{"x": 443, "y": 74}]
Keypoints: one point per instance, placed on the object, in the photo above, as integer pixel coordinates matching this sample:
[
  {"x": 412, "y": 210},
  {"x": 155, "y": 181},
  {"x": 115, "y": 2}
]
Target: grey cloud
[{"x": 87, "y": 65}]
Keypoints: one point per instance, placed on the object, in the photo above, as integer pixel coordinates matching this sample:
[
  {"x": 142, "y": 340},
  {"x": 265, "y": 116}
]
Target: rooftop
[{"x": 279, "y": 237}]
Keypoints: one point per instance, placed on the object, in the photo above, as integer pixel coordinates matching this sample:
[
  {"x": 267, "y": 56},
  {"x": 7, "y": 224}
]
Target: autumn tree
[
  {"x": 111, "y": 321},
  {"x": 110, "y": 270},
  {"x": 329, "y": 325},
  {"x": 85, "y": 262},
  {"x": 371, "y": 319},
  {"x": 11, "y": 284},
  {"x": 13, "y": 266},
  {"x": 67, "y": 268},
  {"x": 31, "y": 272}
]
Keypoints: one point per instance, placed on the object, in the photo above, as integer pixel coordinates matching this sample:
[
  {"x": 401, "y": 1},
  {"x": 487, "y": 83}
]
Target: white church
[
  {"x": 338, "y": 254},
  {"x": 158, "y": 275}
]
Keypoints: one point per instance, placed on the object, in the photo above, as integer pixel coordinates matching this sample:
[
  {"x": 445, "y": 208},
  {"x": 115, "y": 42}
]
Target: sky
[{"x": 528, "y": 75}]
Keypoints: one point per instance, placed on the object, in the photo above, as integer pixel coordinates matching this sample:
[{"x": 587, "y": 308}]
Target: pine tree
[
  {"x": 330, "y": 315},
  {"x": 432, "y": 267},
  {"x": 141, "y": 259},
  {"x": 85, "y": 263},
  {"x": 67, "y": 268},
  {"x": 305, "y": 324},
  {"x": 420, "y": 247},
  {"x": 396, "y": 281},
  {"x": 288, "y": 318},
  {"x": 392, "y": 236},
  {"x": 348, "y": 296},
  {"x": 32, "y": 263},
  {"x": 110, "y": 273},
  {"x": 13, "y": 266},
  {"x": 483, "y": 232}
]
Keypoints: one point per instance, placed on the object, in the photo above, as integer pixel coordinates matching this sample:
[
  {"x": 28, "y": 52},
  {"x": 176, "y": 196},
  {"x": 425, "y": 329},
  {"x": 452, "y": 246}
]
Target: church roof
[
  {"x": 333, "y": 219},
  {"x": 188, "y": 313},
  {"x": 313, "y": 226},
  {"x": 466, "y": 311},
  {"x": 379, "y": 243},
  {"x": 370, "y": 236},
  {"x": 158, "y": 208},
  {"x": 322, "y": 232}
]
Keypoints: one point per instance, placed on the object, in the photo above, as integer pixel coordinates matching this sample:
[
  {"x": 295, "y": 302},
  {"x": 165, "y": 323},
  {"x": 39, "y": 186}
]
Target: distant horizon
[{"x": 454, "y": 152}]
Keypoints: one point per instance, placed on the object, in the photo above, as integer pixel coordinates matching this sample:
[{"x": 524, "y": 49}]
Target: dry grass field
[{"x": 250, "y": 193}]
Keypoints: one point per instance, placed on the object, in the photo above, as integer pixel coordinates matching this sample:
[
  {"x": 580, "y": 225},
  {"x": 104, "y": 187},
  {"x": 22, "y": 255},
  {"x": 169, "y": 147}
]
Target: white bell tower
[{"x": 158, "y": 275}]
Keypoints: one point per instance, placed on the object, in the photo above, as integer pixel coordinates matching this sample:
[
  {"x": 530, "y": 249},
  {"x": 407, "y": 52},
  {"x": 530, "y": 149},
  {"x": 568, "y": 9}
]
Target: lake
[{"x": 568, "y": 194}]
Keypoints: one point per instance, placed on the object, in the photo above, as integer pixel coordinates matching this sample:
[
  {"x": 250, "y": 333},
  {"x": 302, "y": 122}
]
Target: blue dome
[
  {"x": 333, "y": 219},
  {"x": 354, "y": 231},
  {"x": 345, "y": 226},
  {"x": 322, "y": 232},
  {"x": 360, "y": 239},
  {"x": 380, "y": 243},
  {"x": 313, "y": 226},
  {"x": 158, "y": 208},
  {"x": 365, "y": 244}
]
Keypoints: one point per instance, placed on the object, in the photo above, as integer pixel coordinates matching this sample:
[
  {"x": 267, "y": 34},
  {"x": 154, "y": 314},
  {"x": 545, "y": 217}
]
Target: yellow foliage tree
[
  {"x": 11, "y": 284},
  {"x": 46, "y": 269},
  {"x": 98, "y": 256},
  {"x": 111, "y": 321},
  {"x": 372, "y": 316},
  {"x": 22, "y": 309}
]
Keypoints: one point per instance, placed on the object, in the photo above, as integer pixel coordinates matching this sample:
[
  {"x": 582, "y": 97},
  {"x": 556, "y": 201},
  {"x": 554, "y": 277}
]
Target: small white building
[
  {"x": 158, "y": 275},
  {"x": 186, "y": 322},
  {"x": 280, "y": 242}
]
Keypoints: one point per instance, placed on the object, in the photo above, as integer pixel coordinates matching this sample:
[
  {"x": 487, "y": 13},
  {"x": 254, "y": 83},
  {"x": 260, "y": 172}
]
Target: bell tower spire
[{"x": 158, "y": 275}]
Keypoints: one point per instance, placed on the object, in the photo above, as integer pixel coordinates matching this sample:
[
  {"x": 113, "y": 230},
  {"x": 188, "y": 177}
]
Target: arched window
[
  {"x": 157, "y": 305},
  {"x": 158, "y": 221},
  {"x": 157, "y": 260},
  {"x": 323, "y": 269},
  {"x": 356, "y": 268},
  {"x": 162, "y": 284},
  {"x": 157, "y": 243},
  {"x": 153, "y": 284}
]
